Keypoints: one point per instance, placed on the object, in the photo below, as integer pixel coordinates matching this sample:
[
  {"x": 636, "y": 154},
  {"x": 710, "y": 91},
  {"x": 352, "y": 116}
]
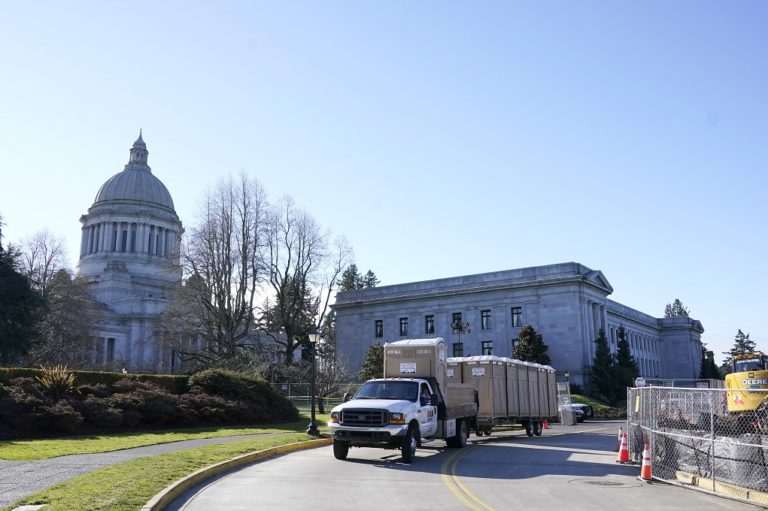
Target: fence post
[{"x": 712, "y": 436}]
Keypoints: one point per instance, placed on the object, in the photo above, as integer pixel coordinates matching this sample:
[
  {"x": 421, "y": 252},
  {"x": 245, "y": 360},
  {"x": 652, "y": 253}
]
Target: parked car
[{"x": 586, "y": 410}]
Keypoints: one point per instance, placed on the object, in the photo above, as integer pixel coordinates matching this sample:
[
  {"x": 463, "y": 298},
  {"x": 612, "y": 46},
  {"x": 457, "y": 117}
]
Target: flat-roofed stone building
[{"x": 566, "y": 303}]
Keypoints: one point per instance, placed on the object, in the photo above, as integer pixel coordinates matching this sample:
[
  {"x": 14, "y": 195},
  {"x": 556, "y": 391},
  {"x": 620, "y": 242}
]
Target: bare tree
[
  {"x": 67, "y": 324},
  {"x": 303, "y": 272},
  {"x": 222, "y": 262},
  {"x": 42, "y": 256}
]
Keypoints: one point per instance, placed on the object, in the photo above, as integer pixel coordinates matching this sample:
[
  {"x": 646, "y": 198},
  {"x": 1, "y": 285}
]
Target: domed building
[{"x": 129, "y": 253}]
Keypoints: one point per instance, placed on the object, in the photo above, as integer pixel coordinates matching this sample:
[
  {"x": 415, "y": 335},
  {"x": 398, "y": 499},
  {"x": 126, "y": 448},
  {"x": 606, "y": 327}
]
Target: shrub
[
  {"x": 56, "y": 381},
  {"x": 98, "y": 413},
  {"x": 259, "y": 402},
  {"x": 156, "y": 405},
  {"x": 57, "y": 418}
]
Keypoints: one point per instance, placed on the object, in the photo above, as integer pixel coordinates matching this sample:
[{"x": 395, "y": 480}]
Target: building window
[
  {"x": 429, "y": 324},
  {"x": 458, "y": 349},
  {"x": 487, "y": 347},
  {"x": 485, "y": 320},
  {"x": 455, "y": 319},
  {"x": 403, "y": 326},
  {"x": 379, "y": 328},
  {"x": 517, "y": 316},
  {"x": 110, "y": 350}
]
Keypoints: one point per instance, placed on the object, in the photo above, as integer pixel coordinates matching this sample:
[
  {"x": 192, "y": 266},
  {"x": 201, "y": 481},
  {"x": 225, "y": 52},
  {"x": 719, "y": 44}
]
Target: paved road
[
  {"x": 19, "y": 479},
  {"x": 571, "y": 469}
]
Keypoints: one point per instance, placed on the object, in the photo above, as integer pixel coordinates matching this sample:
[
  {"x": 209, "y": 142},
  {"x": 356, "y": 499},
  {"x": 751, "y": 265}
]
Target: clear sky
[{"x": 442, "y": 138}]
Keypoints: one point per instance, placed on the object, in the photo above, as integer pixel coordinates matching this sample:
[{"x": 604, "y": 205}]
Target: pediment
[{"x": 597, "y": 279}]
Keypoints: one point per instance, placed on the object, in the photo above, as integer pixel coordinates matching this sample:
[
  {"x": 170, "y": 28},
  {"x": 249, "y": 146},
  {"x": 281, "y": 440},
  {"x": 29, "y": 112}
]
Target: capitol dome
[{"x": 135, "y": 183}]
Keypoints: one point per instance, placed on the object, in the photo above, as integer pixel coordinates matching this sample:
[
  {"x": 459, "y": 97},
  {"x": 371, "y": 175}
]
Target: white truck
[{"x": 412, "y": 403}]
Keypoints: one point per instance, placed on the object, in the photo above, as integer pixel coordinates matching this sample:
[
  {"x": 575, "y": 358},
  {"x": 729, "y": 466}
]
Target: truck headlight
[
  {"x": 335, "y": 417},
  {"x": 397, "y": 418}
]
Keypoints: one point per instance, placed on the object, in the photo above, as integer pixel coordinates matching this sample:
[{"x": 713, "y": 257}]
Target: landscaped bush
[{"x": 31, "y": 405}]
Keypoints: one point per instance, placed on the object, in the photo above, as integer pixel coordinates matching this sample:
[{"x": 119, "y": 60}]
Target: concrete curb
[{"x": 172, "y": 491}]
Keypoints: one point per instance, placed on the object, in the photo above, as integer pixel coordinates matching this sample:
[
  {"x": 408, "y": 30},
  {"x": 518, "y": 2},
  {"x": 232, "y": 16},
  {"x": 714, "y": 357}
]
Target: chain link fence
[
  {"x": 299, "y": 395},
  {"x": 695, "y": 440}
]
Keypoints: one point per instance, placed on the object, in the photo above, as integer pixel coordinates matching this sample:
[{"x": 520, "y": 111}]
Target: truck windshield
[{"x": 399, "y": 390}]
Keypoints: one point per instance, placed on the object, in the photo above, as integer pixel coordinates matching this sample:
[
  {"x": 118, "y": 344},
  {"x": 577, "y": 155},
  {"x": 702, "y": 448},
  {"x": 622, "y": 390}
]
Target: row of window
[
  {"x": 486, "y": 346},
  {"x": 457, "y": 325}
]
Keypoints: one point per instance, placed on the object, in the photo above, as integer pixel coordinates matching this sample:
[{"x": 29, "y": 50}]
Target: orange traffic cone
[
  {"x": 623, "y": 451},
  {"x": 545, "y": 425},
  {"x": 645, "y": 469}
]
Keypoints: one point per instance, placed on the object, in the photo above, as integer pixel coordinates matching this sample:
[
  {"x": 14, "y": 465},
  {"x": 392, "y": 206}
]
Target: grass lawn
[{"x": 128, "y": 486}]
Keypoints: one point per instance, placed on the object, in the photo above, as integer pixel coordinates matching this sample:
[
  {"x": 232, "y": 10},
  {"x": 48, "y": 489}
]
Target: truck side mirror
[
  {"x": 347, "y": 396},
  {"x": 433, "y": 399}
]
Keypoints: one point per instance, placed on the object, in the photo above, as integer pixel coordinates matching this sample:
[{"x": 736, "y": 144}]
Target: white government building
[
  {"x": 566, "y": 303},
  {"x": 129, "y": 253}
]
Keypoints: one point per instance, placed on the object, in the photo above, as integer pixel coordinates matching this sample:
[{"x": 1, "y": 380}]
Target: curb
[{"x": 173, "y": 490}]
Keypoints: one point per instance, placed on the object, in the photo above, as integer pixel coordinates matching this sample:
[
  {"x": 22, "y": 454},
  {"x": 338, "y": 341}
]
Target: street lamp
[
  {"x": 314, "y": 337},
  {"x": 568, "y": 381}
]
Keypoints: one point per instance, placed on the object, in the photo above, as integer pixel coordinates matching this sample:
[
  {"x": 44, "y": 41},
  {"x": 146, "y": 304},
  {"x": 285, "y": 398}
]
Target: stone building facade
[
  {"x": 566, "y": 303},
  {"x": 129, "y": 253}
]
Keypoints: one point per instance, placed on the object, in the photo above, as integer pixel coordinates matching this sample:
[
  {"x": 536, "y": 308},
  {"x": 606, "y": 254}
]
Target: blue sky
[{"x": 441, "y": 138}]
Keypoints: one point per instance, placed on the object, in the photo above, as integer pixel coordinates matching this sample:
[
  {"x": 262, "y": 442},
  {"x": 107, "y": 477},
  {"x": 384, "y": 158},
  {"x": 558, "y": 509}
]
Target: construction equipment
[{"x": 747, "y": 388}]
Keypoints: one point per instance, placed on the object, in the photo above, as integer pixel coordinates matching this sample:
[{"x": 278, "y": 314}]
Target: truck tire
[
  {"x": 528, "y": 428},
  {"x": 340, "y": 449},
  {"x": 537, "y": 428},
  {"x": 460, "y": 440},
  {"x": 409, "y": 445}
]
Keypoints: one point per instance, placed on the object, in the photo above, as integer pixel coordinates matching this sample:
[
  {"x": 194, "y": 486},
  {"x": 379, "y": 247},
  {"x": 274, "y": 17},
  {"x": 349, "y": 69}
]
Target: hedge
[{"x": 177, "y": 384}]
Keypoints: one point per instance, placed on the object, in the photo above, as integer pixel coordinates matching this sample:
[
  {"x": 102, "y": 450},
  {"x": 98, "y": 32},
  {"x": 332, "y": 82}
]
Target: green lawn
[{"x": 128, "y": 486}]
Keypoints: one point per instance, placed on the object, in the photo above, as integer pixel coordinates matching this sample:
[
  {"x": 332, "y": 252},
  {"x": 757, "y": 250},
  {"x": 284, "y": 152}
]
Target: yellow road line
[{"x": 458, "y": 488}]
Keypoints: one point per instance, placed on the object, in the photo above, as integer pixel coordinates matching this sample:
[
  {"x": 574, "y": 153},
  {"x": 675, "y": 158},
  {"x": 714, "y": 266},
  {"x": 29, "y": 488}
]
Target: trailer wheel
[
  {"x": 537, "y": 428},
  {"x": 479, "y": 431},
  {"x": 488, "y": 430},
  {"x": 460, "y": 440},
  {"x": 409, "y": 445},
  {"x": 340, "y": 449},
  {"x": 528, "y": 428}
]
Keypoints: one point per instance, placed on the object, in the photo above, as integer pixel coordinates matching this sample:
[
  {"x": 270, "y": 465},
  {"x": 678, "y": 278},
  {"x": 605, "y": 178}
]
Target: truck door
[{"x": 427, "y": 413}]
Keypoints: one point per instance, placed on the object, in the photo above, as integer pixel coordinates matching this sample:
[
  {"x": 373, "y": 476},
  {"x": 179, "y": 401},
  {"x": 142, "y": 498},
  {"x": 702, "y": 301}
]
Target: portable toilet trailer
[
  {"x": 513, "y": 399},
  {"x": 521, "y": 389},
  {"x": 453, "y": 373},
  {"x": 489, "y": 377},
  {"x": 533, "y": 389}
]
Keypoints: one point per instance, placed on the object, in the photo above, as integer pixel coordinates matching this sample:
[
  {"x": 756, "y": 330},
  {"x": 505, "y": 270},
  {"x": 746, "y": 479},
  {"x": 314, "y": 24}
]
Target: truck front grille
[{"x": 364, "y": 417}]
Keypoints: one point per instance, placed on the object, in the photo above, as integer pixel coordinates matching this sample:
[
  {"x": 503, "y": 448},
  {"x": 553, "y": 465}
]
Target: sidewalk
[{"x": 19, "y": 479}]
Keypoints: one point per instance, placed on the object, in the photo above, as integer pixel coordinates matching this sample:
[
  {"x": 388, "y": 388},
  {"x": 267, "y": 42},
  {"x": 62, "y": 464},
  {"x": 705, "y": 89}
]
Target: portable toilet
[{"x": 487, "y": 373}]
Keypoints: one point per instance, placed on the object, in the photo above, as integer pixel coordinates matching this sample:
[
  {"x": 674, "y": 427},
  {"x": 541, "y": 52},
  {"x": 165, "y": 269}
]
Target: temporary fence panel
[{"x": 694, "y": 437}]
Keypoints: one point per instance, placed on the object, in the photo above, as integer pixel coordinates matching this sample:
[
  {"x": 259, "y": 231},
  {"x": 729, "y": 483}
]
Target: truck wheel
[
  {"x": 409, "y": 445},
  {"x": 537, "y": 428},
  {"x": 528, "y": 429},
  {"x": 340, "y": 449},
  {"x": 460, "y": 440}
]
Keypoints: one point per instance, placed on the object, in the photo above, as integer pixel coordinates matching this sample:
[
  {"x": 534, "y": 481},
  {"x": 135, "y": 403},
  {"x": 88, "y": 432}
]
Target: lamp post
[
  {"x": 568, "y": 381},
  {"x": 457, "y": 327},
  {"x": 314, "y": 337}
]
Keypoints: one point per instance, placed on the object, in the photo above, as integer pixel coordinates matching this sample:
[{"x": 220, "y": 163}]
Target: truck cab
[{"x": 386, "y": 412}]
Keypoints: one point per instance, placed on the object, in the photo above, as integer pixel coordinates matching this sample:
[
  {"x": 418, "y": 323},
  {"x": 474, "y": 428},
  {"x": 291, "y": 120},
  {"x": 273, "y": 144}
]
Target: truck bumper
[{"x": 387, "y": 436}]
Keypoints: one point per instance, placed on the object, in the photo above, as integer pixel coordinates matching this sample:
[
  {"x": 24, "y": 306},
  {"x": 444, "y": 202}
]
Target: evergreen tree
[
  {"x": 20, "y": 308},
  {"x": 675, "y": 310},
  {"x": 709, "y": 369},
  {"x": 352, "y": 279},
  {"x": 531, "y": 347},
  {"x": 601, "y": 383},
  {"x": 373, "y": 364},
  {"x": 626, "y": 369},
  {"x": 742, "y": 345}
]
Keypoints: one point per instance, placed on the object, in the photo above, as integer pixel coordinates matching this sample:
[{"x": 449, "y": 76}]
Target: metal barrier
[{"x": 695, "y": 440}]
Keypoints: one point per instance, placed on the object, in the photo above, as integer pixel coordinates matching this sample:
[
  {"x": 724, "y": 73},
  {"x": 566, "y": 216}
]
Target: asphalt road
[{"x": 569, "y": 469}]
